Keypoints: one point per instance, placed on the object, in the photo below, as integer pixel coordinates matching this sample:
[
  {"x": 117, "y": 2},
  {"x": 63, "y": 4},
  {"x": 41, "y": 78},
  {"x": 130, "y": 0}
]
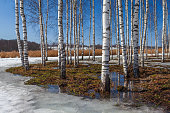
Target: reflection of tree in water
[{"x": 126, "y": 94}]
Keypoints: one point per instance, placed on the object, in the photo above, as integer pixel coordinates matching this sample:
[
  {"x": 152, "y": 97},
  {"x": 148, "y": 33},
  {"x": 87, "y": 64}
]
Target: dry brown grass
[
  {"x": 54, "y": 53},
  {"x": 13, "y": 54}
]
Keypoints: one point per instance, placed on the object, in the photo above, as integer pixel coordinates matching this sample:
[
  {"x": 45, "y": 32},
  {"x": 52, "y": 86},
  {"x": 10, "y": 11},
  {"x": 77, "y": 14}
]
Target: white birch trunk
[
  {"x": 155, "y": 26},
  {"x": 90, "y": 31},
  {"x": 135, "y": 39},
  {"x": 74, "y": 30},
  {"x": 61, "y": 38},
  {"x": 82, "y": 30},
  {"x": 70, "y": 31},
  {"x": 26, "y": 62},
  {"x": 142, "y": 27},
  {"x": 166, "y": 20},
  {"x": 46, "y": 44},
  {"x": 163, "y": 30},
  {"x": 144, "y": 35},
  {"x": 127, "y": 29},
  {"x": 76, "y": 22},
  {"x": 166, "y": 27},
  {"x": 131, "y": 47},
  {"x": 118, "y": 41},
  {"x": 18, "y": 33},
  {"x": 122, "y": 38},
  {"x": 105, "y": 48},
  {"x": 67, "y": 32},
  {"x": 41, "y": 34},
  {"x": 78, "y": 43},
  {"x": 93, "y": 33},
  {"x": 147, "y": 44}
]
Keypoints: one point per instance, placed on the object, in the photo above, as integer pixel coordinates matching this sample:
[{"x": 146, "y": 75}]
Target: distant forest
[{"x": 11, "y": 45}]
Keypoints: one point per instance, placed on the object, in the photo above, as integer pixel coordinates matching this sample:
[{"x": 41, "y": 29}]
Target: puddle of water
[
  {"x": 53, "y": 88},
  {"x": 116, "y": 78},
  {"x": 85, "y": 64},
  {"x": 119, "y": 80},
  {"x": 66, "y": 68},
  {"x": 17, "y": 75},
  {"x": 55, "y": 67}
]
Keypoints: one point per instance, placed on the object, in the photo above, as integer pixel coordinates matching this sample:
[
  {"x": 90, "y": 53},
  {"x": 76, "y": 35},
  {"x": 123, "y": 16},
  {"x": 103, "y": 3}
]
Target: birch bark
[
  {"x": 135, "y": 39},
  {"x": 93, "y": 33},
  {"x": 26, "y": 62},
  {"x": 131, "y": 47},
  {"x": 82, "y": 30},
  {"x": 70, "y": 31},
  {"x": 163, "y": 31},
  {"x": 41, "y": 34},
  {"x": 67, "y": 60},
  {"x": 74, "y": 30},
  {"x": 118, "y": 41},
  {"x": 105, "y": 47},
  {"x": 127, "y": 29},
  {"x": 144, "y": 35},
  {"x": 18, "y": 33},
  {"x": 90, "y": 31},
  {"x": 61, "y": 38},
  {"x": 122, "y": 38},
  {"x": 155, "y": 26},
  {"x": 46, "y": 44}
]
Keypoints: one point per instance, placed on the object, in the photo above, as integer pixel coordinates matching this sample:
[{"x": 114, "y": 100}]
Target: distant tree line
[{"x": 11, "y": 45}]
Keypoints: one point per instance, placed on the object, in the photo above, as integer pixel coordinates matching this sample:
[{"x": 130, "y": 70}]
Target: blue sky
[{"x": 7, "y": 23}]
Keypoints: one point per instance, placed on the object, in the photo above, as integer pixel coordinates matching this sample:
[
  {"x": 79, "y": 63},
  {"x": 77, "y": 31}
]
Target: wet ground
[{"x": 15, "y": 97}]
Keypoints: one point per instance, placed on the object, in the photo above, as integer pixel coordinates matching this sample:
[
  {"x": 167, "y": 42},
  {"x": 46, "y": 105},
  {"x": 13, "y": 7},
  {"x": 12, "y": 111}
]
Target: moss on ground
[
  {"x": 157, "y": 90},
  {"x": 84, "y": 80},
  {"x": 79, "y": 82}
]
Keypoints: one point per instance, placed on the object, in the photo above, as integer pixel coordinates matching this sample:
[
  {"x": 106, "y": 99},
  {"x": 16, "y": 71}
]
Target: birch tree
[
  {"x": 79, "y": 24},
  {"x": 105, "y": 47},
  {"x": 67, "y": 32},
  {"x": 93, "y": 33},
  {"x": 61, "y": 39},
  {"x": 142, "y": 27},
  {"x": 163, "y": 30},
  {"x": 70, "y": 31},
  {"x": 82, "y": 34},
  {"x": 136, "y": 38},
  {"x": 155, "y": 26},
  {"x": 46, "y": 44},
  {"x": 127, "y": 28},
  {"x": 18, "y": 33},
  {"x": 41, "y": 34},
  {"x": 26, "y": 62},
  {"x": 90, "y": 31},
  {"x": 146, "y": 44},
  {"x": 166, "y": 20},
  {"x": 76, "y": 34},
  {"x": 118, "y": 41},
  {"x": 144, "y": 35},
  {"x": 74, "y": 30},
  {"x": 131, "y": 47},
  {"x": 122, "y": 38}
]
